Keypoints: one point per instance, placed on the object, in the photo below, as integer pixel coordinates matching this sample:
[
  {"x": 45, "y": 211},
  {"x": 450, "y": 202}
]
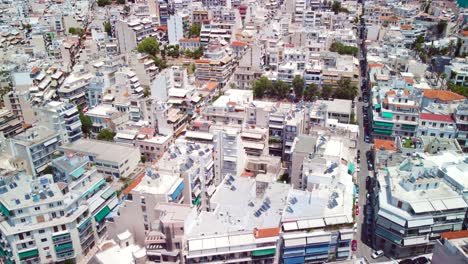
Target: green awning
[
  {"x": 263, "y": 252},
  {"x": 95, "y": 187},
  {"x": 4, "y": 210},
  {"x": 102, "y": 214},
  {"x": 64, "y": 246},
  {"x": 408, "y": 126},
  {"x": 387, "y": 114},
  {"x": 78, "y": 172},
  {"x": 28, "y": 254},
  {"x": 196, "y": 201},
  {"x": 61, "y": 236},
  {"x": 2, "y": 252},
  {"x": 107, "y": 194},
  {"x": 377, "y": 123},
  {"x": 84, "y": 224},
  {"x": 351, "y": 168},
  {"x": 382, "y": 131},
  {"x": 377, "y": 106}
]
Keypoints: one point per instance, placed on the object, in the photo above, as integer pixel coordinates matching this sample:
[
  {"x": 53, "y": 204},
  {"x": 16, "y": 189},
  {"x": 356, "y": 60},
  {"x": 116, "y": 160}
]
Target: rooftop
[
  {"x": 101, "y": 149},
  {"x": 240, "y": 209},
  {"x": 443, "y": 95}
]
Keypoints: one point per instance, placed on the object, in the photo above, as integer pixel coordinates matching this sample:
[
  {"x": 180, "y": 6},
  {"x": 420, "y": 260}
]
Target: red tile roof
[
  {"x": 443, "y": 95},
  {"x": 465, "y": 33},
  {"x": 162, "y": 28},
  {"x": 373, "y": 65},
  {"x": 436, "y": 117},
  {"x": 406, "y": 27},
  {"x": 266, "y": 232},
  {"x": 409, "y": 80},
  {"x": 455, "y": 234},
  {"x": 384, "y": 144},
  {"x": 189, "y": 40},
  {"x": 238, "y": 44},
  {"x": 210, "y": 86}
]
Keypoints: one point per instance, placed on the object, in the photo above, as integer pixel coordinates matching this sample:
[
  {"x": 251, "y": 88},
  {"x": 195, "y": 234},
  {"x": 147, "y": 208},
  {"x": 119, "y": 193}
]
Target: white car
[
  {"x": 358, "y": 169},
  {"x": 377, "y": 254}
]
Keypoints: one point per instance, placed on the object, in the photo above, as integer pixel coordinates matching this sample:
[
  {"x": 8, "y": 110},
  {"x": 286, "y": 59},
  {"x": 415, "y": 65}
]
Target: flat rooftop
[
  {"x": 35, "y": 135},
  {"x": 237, "y": 206},
  {"x": 161, "y": 184},
  {"x": 103, "y": 150}
]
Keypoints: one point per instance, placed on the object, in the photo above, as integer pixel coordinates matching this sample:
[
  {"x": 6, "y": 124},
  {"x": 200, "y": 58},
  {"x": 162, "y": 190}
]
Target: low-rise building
[
  {"x": 110, "y": 159},
  {"x": 10, "y": 125},
  {"x": 452, "y": 247}
]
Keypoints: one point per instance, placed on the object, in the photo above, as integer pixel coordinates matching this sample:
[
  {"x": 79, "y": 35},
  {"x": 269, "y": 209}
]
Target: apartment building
[
  {"x": 74, "y": 88},
  {"x": 395, "y": 113},
  {"x": 19, "y": 105},
  {"x": 249, "y": 68},
  {"x": 242, "y": 227},
  {"x": 418, "y": 200},
  {"x": 144, "y": 68},
  {"x": 175, "y": 31},
  {"x": 229, "y": 154},
  {"x": 317, "y": 224},
  {"x": 152, "y": 145},
  {"x": 63, "y": 118},
  {"x": 105, "y": 116},
  {"x": 137, "y": 210},
  {"x": 47, "y": 223},
  {"x": 457, "y": 71},
  {"x": 194, "y": 162},
  {"x": 215, "y": 65},
  {"x": 461, "y": 119},
  {"x": 10, "y": 125},
  {"x": 164, "y": 243},
  {"x": 37, "y": 146},
  {"x": 131, "y": 33},
  {"x": 110, "y": 159},
  {"x": 436, "y": 125}
]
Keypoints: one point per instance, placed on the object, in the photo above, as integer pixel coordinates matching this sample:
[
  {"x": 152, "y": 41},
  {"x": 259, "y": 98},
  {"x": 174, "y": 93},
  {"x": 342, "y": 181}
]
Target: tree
[
  {"x": 76, "y": 31},
  {"x": 327, "y": 91},
  {"x": 232, "y": 85},
  {"x": 108, "y": 28},
  {"x": 343, "y": 49},
  {"x": 298, "y": 86},
  {"x": 103, "y": 2},
  {"x": 149, "y": 46},
  {"x": 173, "y": 51},
  {"x": 336, "y": 7},
  {"x": 106, "y": 134},
  {"x": 194, "y": 30},
  {"x": 280, "y": 89},
  {"x": 121, "y": 2},
  {"x": 146, "y": 91},
  {"x": 311, "y": 92},
  {"x": 441, "y": 26},
  {"x": 345, "y": 90},
  {"x": 48, "y": 170},
  {"x": 86, "y": 123},
  {"x": 261, "y": 86},
  {"x": 143, "y": 158}
]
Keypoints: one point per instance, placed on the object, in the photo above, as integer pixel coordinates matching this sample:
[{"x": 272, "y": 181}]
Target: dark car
[
  {"x": 420, "y": 260},
  {"x": 406, "y": 261},
  {"x": 368, "y": 182},
  {"x": 370, "y": 166}
]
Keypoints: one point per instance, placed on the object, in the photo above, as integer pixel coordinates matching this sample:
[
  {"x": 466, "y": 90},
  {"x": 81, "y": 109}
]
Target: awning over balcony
[
  {"x": 383, "y": 131},
  {"x": 377, "y": 123},
  {"x": 78, "y": 172},
  {"x": 387, "y": 115},
  {"x": 351, "y": 168},
  {"x": 99, "y": 216},
  {"x": 28, "y": 254},
  {"x": 263, "y": 252}
]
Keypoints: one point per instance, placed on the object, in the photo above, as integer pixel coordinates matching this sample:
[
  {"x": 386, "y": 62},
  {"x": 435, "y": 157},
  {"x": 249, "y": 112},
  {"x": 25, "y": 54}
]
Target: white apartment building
[
  {"x": 73, "y": 90},
  {"x": 37, "y": 146},
  {"x": 61, "y": 117},
  {"x": 175, "y": 31},
  {"x": 137, "y": 211},
  {"x": 457, "y": 71},
  {"x": 438, "y": 125},
  {"x": 418, "y": 200},
  {"x": 110, "y": 159},
  {"x": 229, "y": 155},
  {"x": 46, "y": 223},
  {"x": 131, "y": 33}
]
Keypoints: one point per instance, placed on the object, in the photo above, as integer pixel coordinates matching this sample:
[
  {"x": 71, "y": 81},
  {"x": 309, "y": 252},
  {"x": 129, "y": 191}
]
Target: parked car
[
  {"x": 406, "y": 261},
  {"x": 377, "y": 254},
  {"x": 354, "y": 245},
  {"x": 357, "y": 210},
  {"x": 368, "y": 182},
  {"x": 367, "y": 138},
  {"x": 420, "y": 260},
  {"x": 370, "y": 166}
]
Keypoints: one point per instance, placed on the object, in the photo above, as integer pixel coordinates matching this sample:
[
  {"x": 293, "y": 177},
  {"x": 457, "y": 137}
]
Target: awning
[
  {"x": 393, "y": 218},
  {"x": 383, "y": 124},
  {"x": 177, "y": 191},
  {"x": 64, "y": 246},
  {"x": 4, "y": 210},
  {"x": 351, "y": 168},
  {"x": 78, "y": 172},
  {"x": 28, "y": 254},
  {"x": 95, "y": 187},
  {"x": 99, "y": 216},
  {"x": 383, "y": 131},
  {"x": 196, "y": 201},
  {"x": 263, "y": 252},
  {"x": 107, "y": 194},
  {"x": 420, "y": 222},
  {"x": 387, "y": 114},
  {"x": 377, "y": 106},
  {"x": 50, "y": 142}
]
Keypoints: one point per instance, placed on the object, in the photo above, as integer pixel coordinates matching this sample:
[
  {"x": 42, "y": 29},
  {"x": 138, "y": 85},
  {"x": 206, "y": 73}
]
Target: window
[
  {"x": 41, "y": 231},
  {"x": 23, "y": 220},
  {"x": 54, "y": 214},
  {"x": 400, "y": 204},
  {"x": 441, "y": 125},
  {"x": 64, "y": 227},
  {"x": 37, "y": 208},
  {"x": 423, "y": 123},
  {"x": 55, "y": 228},
  {"x": 20, "y": 211}
]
